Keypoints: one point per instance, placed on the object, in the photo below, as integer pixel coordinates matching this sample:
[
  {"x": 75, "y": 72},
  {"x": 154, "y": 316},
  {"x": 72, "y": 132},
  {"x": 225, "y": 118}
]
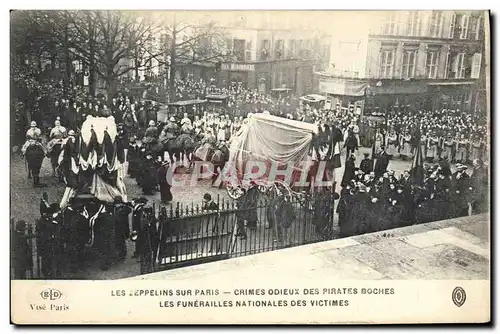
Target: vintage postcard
[{"x": 250, "y": 167}]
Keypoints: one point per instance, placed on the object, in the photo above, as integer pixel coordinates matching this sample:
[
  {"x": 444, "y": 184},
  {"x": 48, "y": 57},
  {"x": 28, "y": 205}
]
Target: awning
[
  {"x": 403, "y": 88},
  {"x": 342, "y": 87},
  {"x": 456, "y": 83},
  {"x": 313, "y": 98}
]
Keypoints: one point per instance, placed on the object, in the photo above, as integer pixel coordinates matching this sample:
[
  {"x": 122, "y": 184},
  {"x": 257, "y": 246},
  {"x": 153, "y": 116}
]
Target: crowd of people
[{"x": 372, "y": 197}]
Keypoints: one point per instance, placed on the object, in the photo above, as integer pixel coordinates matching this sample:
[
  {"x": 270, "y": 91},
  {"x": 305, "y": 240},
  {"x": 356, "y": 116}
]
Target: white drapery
[{"x": 271, "y": 139}]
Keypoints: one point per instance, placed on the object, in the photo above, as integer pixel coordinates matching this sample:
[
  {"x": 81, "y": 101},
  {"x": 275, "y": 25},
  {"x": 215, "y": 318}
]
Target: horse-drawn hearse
[
  {"x": 273, "y": 151},
  {"x": 84, "y": 224}
]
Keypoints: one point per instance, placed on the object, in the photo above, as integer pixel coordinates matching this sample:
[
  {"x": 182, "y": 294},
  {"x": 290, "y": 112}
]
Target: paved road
[{"x": 25, "y": 203}]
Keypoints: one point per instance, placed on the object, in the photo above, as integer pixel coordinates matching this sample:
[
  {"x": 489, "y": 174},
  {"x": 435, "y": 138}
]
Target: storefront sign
[{"x": 239, "y": 67}]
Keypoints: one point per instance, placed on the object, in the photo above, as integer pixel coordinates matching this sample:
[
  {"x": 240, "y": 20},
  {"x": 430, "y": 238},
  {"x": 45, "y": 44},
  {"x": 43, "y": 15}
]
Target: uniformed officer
[{"x": 33, "y": 137}]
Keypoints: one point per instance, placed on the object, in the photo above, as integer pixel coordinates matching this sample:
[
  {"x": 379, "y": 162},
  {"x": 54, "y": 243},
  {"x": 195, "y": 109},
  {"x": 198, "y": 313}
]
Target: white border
[{"x": 186, "y": 5}]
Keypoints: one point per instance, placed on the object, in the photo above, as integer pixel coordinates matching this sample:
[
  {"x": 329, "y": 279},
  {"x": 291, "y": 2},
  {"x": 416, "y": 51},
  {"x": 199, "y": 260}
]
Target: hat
[
  {"x": 71, "y": 133},
  {"x": 33, "y": 123},
  {"x": 172, "y": 119},
  {"x": 151, "y": 123},
  {"x": 366, "y": 154}
]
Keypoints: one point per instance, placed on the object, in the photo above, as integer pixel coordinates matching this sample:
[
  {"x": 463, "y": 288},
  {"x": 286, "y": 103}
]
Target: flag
[{"x": 417, "y": 167}]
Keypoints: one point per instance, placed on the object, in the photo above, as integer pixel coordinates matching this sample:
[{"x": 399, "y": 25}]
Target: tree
[
  {"x": 188, "y": 43},
  {"x": 120, "y": 35}
]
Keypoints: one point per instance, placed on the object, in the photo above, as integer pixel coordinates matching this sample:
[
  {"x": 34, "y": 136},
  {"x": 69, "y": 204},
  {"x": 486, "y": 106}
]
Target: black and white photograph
[{"x": 181, "y": 145}]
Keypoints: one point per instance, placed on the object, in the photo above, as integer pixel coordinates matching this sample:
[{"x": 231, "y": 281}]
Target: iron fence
[{"x": 187, "y": 235}]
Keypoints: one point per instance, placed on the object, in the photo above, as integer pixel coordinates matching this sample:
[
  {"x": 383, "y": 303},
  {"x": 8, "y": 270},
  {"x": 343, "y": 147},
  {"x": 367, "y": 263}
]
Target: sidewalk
[{"x": 450, "y": 249}]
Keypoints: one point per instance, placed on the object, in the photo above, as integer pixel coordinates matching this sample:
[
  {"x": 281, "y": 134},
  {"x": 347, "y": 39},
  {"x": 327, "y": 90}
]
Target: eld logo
[{"x": 51, "y": 294}]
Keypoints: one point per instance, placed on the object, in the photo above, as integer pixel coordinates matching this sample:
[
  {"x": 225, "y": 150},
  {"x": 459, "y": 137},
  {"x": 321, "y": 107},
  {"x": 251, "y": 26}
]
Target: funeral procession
[{"x": 147, "y": 141}]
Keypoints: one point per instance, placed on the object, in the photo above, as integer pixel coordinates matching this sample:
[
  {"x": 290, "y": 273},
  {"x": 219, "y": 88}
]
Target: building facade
[
  {"x": 270, "y": 51},
  {"x": 415, "y": 59}
]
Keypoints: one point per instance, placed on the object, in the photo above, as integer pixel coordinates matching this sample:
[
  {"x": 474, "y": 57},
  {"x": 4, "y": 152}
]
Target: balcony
[{"x": 340, "y": 73}]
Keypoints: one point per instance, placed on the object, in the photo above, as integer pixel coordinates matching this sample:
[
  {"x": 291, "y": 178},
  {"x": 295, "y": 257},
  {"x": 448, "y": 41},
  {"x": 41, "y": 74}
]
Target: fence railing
[{"x": 186, "y": 236}]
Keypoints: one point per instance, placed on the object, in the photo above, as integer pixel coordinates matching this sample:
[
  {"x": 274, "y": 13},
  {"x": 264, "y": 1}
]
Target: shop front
[
  {"x": 452, "y": 95},
  {"x": 343, "y": 94},
  {"x": 267, "y": 75}
]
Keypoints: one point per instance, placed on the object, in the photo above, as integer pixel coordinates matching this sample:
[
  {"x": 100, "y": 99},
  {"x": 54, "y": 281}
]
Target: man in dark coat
[
  {"x": 349, "y": 171},
  {"x": 208, "y": 203},
  {"x": 165, "y": 184},
  {"x": 445, "y": 167},
  {"x": 366, "y": 164},
  {"x": 21, "y": 253},
  {"x": 149, "y": 176},
  {"x": 122, "y": 229},
  {"x": 138, "y": 207},
  {"x": 460, "y": 185},
  {"x": 382, "y": 163},
  {"x": 479, "y": 188}
]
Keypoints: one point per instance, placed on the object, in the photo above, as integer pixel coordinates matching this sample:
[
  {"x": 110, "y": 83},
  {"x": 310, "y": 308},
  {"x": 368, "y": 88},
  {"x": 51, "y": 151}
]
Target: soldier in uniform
[
  {"x": 185, "y": 121},
  {"x": 172, "y": 127},
  {"x": 392, "y": 143},
  {"x": 151, "y": 134},
  {"x": 448, "y": 150},
  {"x": 33, "y": 137},
  {"x": 432, "y": 150},
  {"x": 406, "y": 145},
  {"x": 475, "y": 148},
  {"x": 56, "y": 135},
  {"x": 462, "y": 147}
]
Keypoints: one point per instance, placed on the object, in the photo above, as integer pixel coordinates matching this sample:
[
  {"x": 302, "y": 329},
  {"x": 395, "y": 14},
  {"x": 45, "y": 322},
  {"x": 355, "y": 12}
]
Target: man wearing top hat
[{"x": 460, "y": 187}]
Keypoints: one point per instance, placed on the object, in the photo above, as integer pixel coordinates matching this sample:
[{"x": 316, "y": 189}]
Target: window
[
  {"x": 464, "y": 27},
  {"x": 248, "y": 51},
  {"x": 436, "y": 27},
  {"x": 413, "y": 25},
  {"x": 390, "y": 25},
  {"x": 477, "y": 29},
  {"x": 459, "y": 66},
  {"x": 264, "y": 52},
  {"x": 476, "y": 66},
  {"x": 447, "y": 69},
  {"x": 280, "y": 46},
  {"x": 408, "y": 66},
  {"x": 239, "y": 49},
  {"x": 291, "y": 48},
  {"x": 386, "y": 63},
  {"x": 451, "y": 33},
  {"x": 432, "y": 64}
]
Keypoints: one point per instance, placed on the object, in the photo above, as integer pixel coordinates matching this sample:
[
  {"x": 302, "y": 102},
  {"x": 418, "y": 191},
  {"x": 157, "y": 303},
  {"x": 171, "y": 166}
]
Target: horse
[
  {"x": 217, "y": 156},
  {"x": 186, "y": 145},
  {"x": 34, "y": 157},
  {"x": 53, "y": 155}
]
